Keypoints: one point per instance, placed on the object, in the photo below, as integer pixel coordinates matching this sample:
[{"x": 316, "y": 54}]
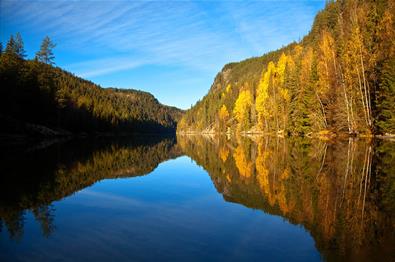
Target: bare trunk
[
  {"x": 349, "y": 124},
  {"x": 362, "y": 98},
  {"x": 346, "y": 101},
  {"x": 276, "y": 108},
  {"x": 352, "y": 114},
  {"x": 323, "y": 109},
  {"x": 366, "y": 90},
  {"x": 367, "y": 180},
  {"x": 322, "y": 160}
]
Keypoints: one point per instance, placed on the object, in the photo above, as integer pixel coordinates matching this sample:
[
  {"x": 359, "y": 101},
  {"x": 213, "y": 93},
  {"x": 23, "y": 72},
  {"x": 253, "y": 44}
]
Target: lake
[{"x": 199, "y": 198}]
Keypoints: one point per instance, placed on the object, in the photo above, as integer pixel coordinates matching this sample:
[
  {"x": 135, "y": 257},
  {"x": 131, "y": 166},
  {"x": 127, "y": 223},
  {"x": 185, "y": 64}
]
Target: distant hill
[
  {"x": 340, "y": 78},
  {"x": 40, "y": 99}
]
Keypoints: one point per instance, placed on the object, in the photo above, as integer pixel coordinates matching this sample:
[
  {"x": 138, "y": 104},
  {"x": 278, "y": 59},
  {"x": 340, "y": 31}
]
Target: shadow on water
[
  {"x": 342, "y": 192},
  {"x": 32, "y": 179}
]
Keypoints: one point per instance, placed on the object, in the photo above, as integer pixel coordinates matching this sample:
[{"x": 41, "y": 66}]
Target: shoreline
[{"x": 326, "y": 136}]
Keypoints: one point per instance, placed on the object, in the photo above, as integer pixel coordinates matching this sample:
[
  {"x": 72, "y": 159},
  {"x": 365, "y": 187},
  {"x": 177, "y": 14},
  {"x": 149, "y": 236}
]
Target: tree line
[
  {"x": 36, "y": 91},
  {"x": 339, "y": 79}
]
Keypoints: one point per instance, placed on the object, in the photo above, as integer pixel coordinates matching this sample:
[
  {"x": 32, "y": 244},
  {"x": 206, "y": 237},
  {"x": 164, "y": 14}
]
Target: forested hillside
[
  {"x": 36, "y": 92},
  {"x": 340, "y": 78}
]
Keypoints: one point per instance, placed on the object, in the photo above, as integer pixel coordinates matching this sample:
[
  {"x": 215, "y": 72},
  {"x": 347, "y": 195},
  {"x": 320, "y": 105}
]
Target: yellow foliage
[
  {"x": 285, "y": 95},
  {"x": 223, "y": 113},
  {"x": 325, "y": 132},
  {"x": 285, "y": 174},
  {"x": 291, "y": 64},
  {"x": 223, "y": 154},
  {"x": 307, "y": 61},
  {"x": 242, "y": 107},
  {"x": 262, "y": 171},
  {"x": 228, "y": 88},
  {"x": 245, "y": 167},
  {"x": 263, "y": 93},
  {"x": 281, "y": 199},
  {"x": 325, "y": 56},
  {"x": 275, "y": 193},
  {"x": 280, "y": 69},
  {"x": 298, "y": 50}
]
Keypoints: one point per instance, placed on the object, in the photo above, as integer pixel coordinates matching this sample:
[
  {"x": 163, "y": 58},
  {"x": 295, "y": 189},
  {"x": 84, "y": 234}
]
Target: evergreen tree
[
  {"x": 19, "y": 46},
  {"x": 45, "y": 55},
  {"x": 385, "y": 119},
  {"x": 11, "y": 46}
]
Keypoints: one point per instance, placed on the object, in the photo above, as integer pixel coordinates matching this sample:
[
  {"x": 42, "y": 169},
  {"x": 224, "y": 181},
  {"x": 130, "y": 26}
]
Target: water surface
[{"x": 199, "y": 198}]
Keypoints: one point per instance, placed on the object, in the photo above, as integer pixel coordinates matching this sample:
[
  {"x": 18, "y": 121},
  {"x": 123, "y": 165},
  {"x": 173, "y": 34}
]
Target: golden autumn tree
[
  {"x": 326, "y": 70},
  {"x": 228, "y": 88},
  {"x": 261, "y": 103},
  {"x": 243, "y": 163},
  {"x": 355, "y": 78},
  {"x": 262, "y": 169},
  {"x": 284, "y": 98},
  {"x": 223, "y": 116},
  {"x": 223, "y": 153},
  {"x": 242, "y": 110},
  {"x": 273, "y": 98}
]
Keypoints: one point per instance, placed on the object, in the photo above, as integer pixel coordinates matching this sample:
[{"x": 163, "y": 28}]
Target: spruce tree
[
  {"x": 385, "y": 118},
  {"x": 10, "y": 47},
  {"x": 45, "y": 54},
  {"x": 19, "y": 46}
]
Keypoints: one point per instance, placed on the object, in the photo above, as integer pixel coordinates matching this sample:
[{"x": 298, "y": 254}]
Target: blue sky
[{"x": 172, "y": 49}]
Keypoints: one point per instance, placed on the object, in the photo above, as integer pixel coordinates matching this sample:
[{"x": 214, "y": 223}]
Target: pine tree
[
  {"x": 19, "y": 46},
  {"x": 11, "y": 46},
  {"x": 45, "y": 55},
  {"x": 385, "y": 119}
]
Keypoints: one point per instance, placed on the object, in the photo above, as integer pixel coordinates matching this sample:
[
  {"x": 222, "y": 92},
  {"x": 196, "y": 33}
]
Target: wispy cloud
[
  {"x": 105, "y": 66},
  {"x": 97, "y": 38}
]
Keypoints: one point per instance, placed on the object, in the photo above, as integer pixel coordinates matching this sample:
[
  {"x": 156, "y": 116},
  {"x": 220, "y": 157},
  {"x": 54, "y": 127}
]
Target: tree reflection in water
[
  {"x": 33, "y": 180},
  {"x": 342, "y": 192}
]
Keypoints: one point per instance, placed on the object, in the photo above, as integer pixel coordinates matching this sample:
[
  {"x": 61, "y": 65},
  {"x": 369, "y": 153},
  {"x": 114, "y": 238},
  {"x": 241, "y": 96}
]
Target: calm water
[{"x": 199, "y": 199}]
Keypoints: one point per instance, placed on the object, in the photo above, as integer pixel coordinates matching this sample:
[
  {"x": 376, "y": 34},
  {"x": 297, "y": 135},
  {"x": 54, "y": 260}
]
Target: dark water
[{"x": 199, "y": 199}]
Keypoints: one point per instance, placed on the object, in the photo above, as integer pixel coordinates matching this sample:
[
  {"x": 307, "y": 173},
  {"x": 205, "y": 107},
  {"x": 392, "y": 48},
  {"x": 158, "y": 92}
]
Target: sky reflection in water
[{"x": 178, "y": 211}]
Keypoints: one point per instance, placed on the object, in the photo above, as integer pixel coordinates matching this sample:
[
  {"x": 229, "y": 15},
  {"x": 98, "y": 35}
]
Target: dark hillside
[{"x": 37, "y": 95}]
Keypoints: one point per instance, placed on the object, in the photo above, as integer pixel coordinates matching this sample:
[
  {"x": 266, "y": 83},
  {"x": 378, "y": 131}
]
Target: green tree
[
  {"x": 10, "y": 48},
  {"x": 45, "y": 54},
  {"x": 19, "y": 46}
]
